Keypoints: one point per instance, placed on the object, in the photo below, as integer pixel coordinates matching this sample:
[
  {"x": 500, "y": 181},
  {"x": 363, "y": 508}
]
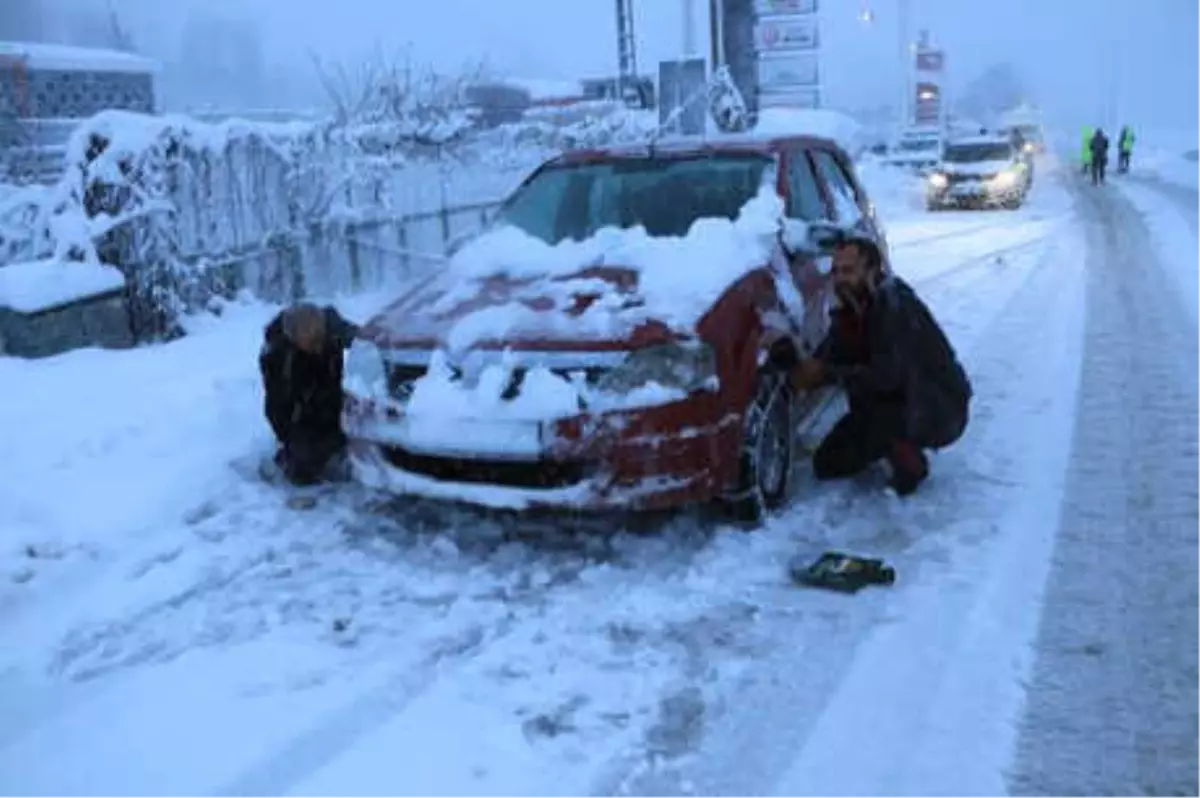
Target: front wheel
[{"x": 766, "y": 457}]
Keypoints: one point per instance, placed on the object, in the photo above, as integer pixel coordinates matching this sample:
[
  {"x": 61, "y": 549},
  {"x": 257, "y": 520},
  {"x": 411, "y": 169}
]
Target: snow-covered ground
[{"x": 174, "y": 628}]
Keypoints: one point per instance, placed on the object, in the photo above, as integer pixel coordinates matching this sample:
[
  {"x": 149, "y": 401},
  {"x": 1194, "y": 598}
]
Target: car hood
[
  {"x": 975, "y": 168},
  {"x": 596, "y": 307}
]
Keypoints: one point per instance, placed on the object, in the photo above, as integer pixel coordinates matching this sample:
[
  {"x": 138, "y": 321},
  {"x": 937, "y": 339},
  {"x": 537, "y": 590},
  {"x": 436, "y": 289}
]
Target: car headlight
[
  {"x": 685, "y": 366},
  {"x": 938, "y": 180},
  {"x": 365, "y": 374},
  {"x": 1006, "y": 179},
  {"x": 1028, "y": 147}
]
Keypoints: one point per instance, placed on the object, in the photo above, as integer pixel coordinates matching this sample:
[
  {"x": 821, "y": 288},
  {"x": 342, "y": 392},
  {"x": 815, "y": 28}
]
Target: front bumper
[
  {"x": 647, "y": 458},
  {"x": 972, "y": 193}
]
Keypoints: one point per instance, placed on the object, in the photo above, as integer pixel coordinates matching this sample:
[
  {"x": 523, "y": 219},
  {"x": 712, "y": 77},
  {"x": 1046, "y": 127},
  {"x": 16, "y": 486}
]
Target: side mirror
[{"x": 814, "y": 237}]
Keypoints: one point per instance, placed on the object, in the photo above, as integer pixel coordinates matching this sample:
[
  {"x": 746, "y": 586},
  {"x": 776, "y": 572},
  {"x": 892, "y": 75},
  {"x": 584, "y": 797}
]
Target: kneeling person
[
  {"x": 906, "y": 389},
  {"x": 301, "y": 366}
]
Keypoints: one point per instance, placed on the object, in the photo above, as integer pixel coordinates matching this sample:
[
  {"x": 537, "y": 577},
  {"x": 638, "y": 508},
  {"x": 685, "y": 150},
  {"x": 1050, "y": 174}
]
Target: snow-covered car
[
  {"x": 616, "y": 339},
  {"x": 917, "y": 149},
  {"x": 979, "y": 172}
]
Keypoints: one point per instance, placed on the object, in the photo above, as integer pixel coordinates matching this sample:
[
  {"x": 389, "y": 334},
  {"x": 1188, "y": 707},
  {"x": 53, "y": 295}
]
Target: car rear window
[
  {"x": 663, "y": 195},
  {"x": 971, "y": 153}
]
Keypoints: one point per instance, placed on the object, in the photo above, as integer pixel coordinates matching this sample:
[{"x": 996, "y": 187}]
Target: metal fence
[{"x": 352, "y": 257}]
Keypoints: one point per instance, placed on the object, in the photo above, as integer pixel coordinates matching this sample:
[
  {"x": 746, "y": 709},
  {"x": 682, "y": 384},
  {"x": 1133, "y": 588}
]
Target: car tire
[{"x": 767, "y": 452}]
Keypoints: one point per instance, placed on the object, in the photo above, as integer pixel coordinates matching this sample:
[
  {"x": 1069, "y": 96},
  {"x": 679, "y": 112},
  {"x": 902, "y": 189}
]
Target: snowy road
[
  {"x": 1114, "y": 693},
  {"x": 180, "y": 632}
]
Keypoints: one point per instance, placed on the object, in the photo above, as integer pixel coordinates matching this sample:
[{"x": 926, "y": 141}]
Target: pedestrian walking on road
[
  {"x": 906, "y": 389},
  {"x": 1099, "y": 148},
  {"x": 1124, "y": 149}
]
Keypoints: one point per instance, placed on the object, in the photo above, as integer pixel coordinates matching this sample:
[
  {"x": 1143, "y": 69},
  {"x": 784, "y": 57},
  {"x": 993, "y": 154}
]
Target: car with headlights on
[
  {"x": 618, "y": 337},
  {"x": 979, "y": 172}
]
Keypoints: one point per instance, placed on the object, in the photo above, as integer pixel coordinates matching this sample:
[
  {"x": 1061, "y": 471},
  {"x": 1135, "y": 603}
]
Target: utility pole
[
  {"x": 904, "y": 11},
  {"x": 626, "y": 49}
]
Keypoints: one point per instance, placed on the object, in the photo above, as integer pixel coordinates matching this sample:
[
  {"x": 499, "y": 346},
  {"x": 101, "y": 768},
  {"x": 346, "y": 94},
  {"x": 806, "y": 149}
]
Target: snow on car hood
[
  {"x": 975, "y": 167},
  {"x": 507, "y": 285}
]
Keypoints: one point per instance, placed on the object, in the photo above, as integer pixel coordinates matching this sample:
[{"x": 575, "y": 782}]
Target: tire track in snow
[
  {"x": 762, "y": 724},
  {"x": 1113, "y": 702}
]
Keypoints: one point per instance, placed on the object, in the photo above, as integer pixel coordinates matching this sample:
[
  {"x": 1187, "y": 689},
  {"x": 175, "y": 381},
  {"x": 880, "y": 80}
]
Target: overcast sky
[{"x": 1072, "y": 52}]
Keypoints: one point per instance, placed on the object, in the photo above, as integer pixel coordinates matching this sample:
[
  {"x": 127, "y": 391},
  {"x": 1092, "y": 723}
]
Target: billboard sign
[
  {"x": 767, "y": 8},
  {"x": 928, "y": 106},
  {"x": 787, "y": 71},
  {"x": 930, "y": 60},
  {"x": 796, "y": 98},
  {"x": 773, "y": 35},
  {"x": 749, "y": 34}
]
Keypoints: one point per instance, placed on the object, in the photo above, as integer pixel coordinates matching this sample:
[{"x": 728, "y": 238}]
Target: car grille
[
  {"x": 953, "y": 178},
  {"x": 544, "y": 475},
  {"x": 402, "y": 379}
]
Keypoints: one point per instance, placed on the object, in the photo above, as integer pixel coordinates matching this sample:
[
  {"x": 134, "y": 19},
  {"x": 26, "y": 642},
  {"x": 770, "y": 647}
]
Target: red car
[{"x": 614, "y": 339}]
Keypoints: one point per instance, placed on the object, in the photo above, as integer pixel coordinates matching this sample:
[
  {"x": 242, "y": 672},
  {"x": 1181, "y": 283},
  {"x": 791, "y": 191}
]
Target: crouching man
[
  {"x": 301, "y": 365},
  {"x": 906, "y": 389}
]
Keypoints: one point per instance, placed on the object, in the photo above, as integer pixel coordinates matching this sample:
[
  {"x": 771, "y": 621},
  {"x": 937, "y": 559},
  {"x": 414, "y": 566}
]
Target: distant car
[
  {"x": 604, "y": 393},
  {"x": 917, "y": 149},
  {"x": 979, "y": 172},
  {"x": 1031, "y": 139}
]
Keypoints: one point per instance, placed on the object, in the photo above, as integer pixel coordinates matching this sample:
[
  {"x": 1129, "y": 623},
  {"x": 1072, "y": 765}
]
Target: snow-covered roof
[
  {"x": 38, "y": 285},
  {"x": 37, "y": 55}
]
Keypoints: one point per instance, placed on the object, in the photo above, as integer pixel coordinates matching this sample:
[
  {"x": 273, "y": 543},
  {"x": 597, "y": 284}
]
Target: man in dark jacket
[
  {"x": 1099, "y": 156},
  {"x": 906, "y": 389},
  {"x": 301, "y": 366}
]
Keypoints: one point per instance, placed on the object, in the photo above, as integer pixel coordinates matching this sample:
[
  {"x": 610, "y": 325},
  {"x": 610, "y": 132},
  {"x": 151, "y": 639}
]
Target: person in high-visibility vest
[
  {"x": 1087, "y": 148},
  {"x": 1125, "y": 149}
]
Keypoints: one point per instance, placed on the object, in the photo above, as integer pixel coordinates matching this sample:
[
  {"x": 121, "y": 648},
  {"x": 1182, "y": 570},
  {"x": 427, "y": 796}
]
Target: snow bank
[
  {"x": 41, "y": 285},
  {"x": 1167, "y": 155},
  {"x": 1174, "y": 239}
]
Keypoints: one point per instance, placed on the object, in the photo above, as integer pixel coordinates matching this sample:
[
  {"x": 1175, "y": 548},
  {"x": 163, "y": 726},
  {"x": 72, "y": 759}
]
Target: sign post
[
  {"x": 772, "y": 49},
  {"x": 929, "y": 66}
]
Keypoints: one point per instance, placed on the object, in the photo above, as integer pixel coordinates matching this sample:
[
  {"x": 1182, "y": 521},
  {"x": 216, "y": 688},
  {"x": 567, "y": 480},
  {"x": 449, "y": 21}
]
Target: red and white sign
[
  {"x": 928, "y": 106},
  {"x": 775, "y": 36}
]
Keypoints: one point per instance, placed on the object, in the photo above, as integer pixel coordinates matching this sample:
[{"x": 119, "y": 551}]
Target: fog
[{"x": 1108, "y": 61}]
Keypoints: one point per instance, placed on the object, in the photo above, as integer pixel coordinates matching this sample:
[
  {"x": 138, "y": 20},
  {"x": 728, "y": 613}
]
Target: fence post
[
  {"x": 444, "y": 215},
  {"x": 402, "y": 239},
  {"x": 351, "y": 236}
]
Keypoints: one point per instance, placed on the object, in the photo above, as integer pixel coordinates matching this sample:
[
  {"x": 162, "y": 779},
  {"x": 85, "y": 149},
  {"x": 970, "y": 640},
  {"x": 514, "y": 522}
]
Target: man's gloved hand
[{"x": 809, "y": 374}]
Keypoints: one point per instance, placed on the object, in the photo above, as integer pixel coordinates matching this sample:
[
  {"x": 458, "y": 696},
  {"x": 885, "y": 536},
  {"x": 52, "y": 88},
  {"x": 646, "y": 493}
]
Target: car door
[
  {"x": 850, "y": 202},
  {"x": 809, "y": 271}
]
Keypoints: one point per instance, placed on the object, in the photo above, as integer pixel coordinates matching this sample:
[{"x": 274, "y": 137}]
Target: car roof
[
  {"x": 691, "y": 146},
  {"x": 988, "y": 139}
]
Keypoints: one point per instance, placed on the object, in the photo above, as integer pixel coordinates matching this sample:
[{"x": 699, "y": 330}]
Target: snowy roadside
[
  {"x": 306, "y": 649},
  {"x": 918, "y": 690},
  {"x": 1170, "y": 213}
]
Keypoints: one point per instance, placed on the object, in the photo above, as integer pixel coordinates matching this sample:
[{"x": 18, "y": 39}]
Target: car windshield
[
  {"x": 918, "y": 145},
  {"x": 663, "y": 195},
  {"x": 972, "y": 153}
]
